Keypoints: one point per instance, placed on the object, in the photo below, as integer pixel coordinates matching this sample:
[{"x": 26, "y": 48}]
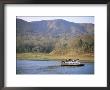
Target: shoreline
[
  {"x": 52, "y": 57},
  {"x": 82, "y": 61}
]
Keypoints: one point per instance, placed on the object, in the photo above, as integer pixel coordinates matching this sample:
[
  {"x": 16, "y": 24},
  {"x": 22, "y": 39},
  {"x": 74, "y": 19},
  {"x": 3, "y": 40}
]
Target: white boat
[{"x": 71, "y": 63}]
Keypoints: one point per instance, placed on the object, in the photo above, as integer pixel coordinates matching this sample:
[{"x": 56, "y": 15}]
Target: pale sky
[{"x": 76, "y": 19}]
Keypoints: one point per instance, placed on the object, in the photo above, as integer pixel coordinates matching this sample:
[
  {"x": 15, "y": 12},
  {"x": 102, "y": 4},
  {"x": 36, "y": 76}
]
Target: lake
[{"x": 51, "y": 67}]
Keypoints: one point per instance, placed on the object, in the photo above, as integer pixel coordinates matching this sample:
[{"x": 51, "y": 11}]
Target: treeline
[{"x": 55, "y": 45}]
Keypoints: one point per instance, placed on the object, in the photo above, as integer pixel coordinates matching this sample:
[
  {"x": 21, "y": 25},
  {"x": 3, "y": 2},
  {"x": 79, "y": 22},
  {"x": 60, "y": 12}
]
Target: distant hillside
[
  {"x": 54, "y": 27},
  {"x": 54, "y": 36}
]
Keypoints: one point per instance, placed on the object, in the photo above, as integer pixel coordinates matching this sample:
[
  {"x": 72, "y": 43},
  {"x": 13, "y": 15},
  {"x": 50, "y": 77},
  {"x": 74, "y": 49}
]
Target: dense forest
[{"x": 54, "y": 37}]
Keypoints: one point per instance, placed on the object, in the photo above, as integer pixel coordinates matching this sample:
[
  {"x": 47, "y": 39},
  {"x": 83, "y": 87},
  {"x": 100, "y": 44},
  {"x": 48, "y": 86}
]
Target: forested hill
[{"x": 54, "y": 36}]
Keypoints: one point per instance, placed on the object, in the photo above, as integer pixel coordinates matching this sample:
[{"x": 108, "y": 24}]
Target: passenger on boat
[
  {"x": 69, "y": 60},
  {"x": 63, "y": 61}
]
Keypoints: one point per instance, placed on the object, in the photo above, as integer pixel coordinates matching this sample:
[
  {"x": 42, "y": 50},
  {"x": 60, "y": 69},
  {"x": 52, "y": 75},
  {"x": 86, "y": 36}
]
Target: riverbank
[{"x": 42, "y": 56}]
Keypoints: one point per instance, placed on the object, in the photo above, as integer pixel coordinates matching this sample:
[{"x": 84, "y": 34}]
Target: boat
[{"x": 71, "y": 62}]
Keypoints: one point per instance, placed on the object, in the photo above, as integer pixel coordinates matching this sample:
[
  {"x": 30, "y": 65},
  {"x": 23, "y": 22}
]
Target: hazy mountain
[{"x": 54, "y": 28}]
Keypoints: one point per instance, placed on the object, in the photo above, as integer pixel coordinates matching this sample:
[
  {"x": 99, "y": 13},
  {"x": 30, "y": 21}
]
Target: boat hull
[{"x": 72, "y": 64}]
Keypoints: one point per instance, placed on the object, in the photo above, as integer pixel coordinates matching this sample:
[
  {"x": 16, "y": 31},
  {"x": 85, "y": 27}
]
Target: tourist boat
[{"x": 71, "y": 63}]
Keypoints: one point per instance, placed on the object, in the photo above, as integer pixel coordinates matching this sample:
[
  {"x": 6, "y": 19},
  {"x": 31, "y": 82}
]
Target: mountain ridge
[{"x": 54, "y": 27}]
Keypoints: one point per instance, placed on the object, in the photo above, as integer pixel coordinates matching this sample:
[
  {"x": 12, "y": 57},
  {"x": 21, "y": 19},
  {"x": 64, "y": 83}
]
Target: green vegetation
[
  {"x": 82, "y": 44},
  {"x": 55, "y": 48}
]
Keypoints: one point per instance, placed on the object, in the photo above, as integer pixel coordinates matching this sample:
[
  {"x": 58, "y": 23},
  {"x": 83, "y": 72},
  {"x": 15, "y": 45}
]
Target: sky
[{"x": 76, "y": 19}]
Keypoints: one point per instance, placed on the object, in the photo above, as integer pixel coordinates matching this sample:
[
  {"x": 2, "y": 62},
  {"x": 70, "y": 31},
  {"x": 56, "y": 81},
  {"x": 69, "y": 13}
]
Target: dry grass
[{"x": 44, "y": 56}]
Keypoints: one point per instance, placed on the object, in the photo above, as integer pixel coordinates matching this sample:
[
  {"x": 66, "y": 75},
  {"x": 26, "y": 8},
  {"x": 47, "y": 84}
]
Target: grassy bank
[{"x": 42, "y": 56}]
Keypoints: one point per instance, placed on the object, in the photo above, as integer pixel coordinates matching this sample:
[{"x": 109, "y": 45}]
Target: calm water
[{"x": 51, "y": 67}]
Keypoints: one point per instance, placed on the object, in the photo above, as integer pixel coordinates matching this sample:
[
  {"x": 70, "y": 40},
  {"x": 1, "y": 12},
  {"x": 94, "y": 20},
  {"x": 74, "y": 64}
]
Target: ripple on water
[{"x": 51, "y": 67}]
